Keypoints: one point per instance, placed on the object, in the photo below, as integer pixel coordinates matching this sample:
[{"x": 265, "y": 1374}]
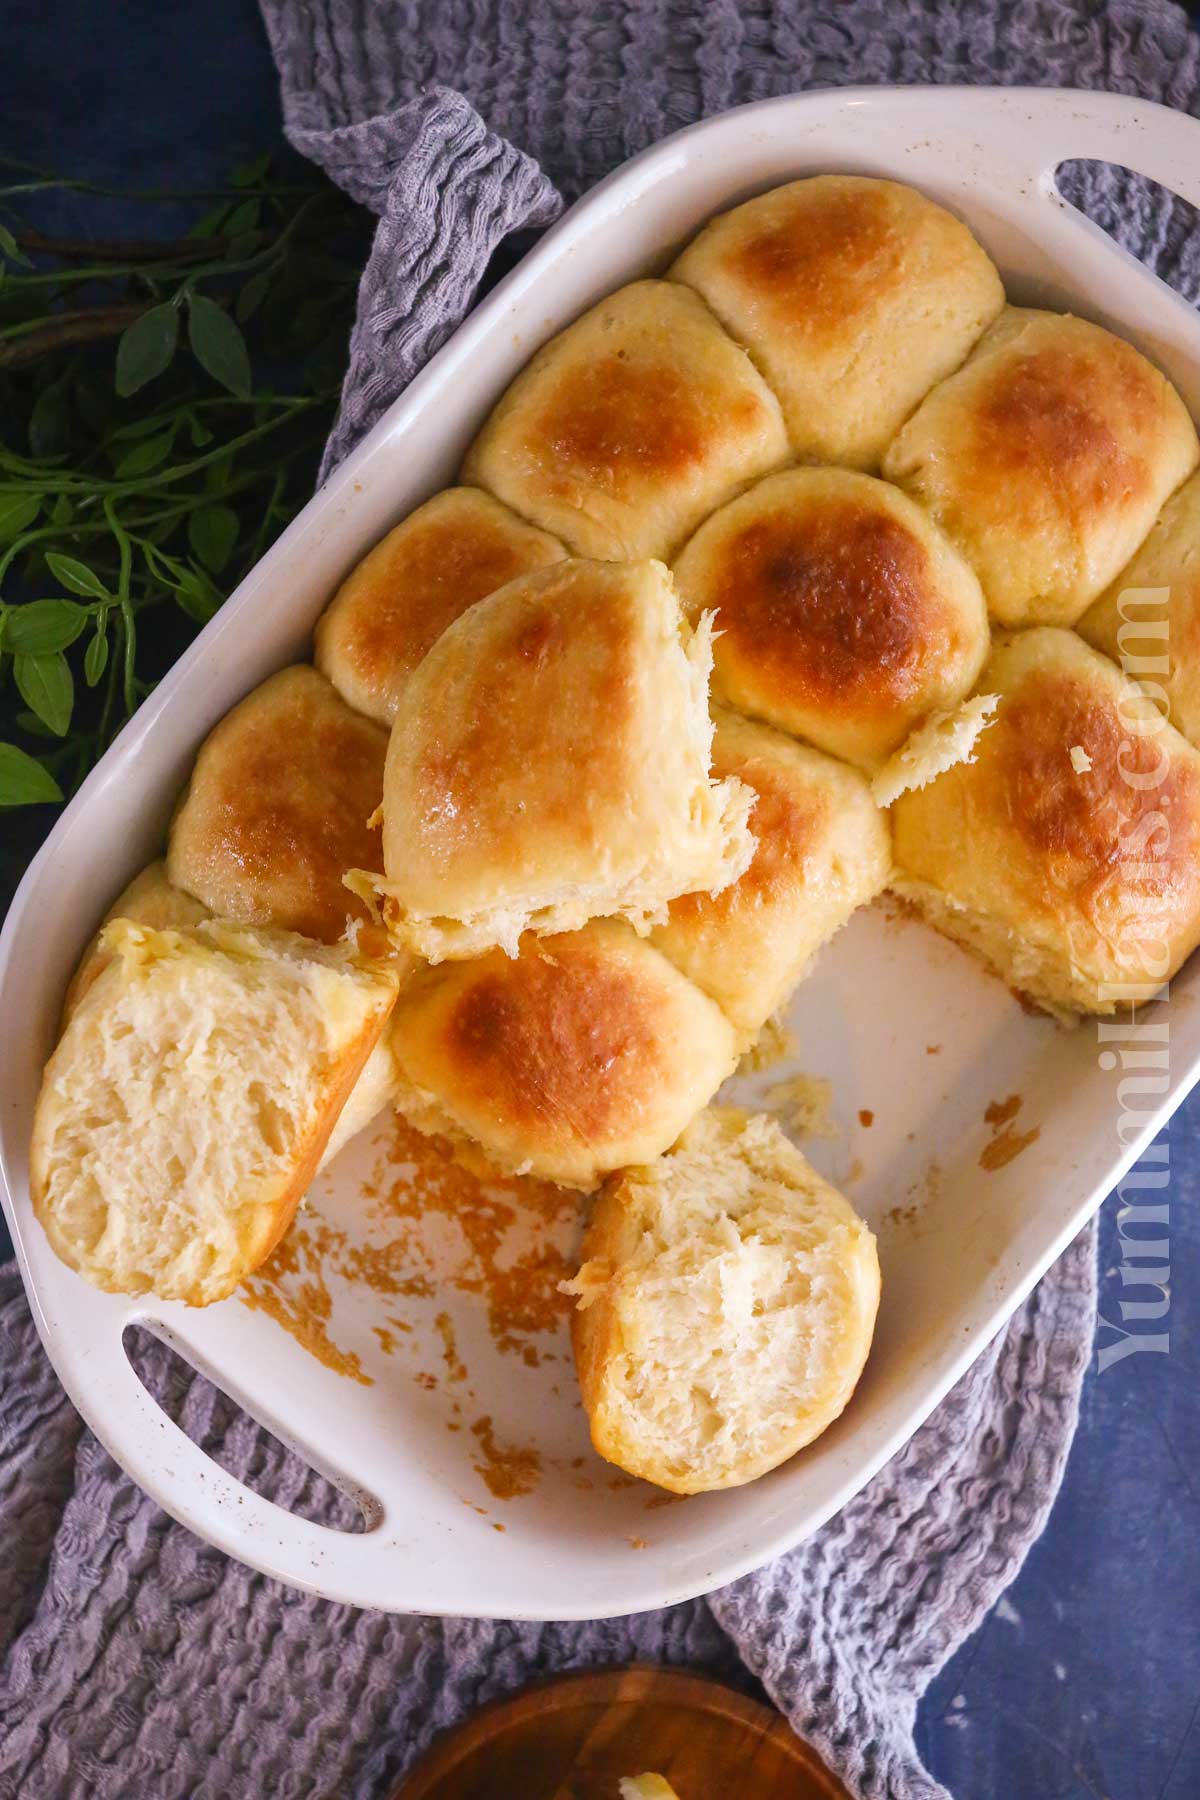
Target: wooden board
[{"x": 573, "y": 1737}]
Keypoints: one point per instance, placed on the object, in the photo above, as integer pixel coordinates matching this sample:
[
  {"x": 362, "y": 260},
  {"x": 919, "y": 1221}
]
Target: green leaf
[
  {"x": 210, "y": 224},
  {"x": 197, "y": 596},
  {"x": 12, "y": 249},
  {"x": 218, "y": 345},
  {"x": 45, "y": 685},
  {"x": 17, "y": 513},
  {"x": 32, "y": 725},
  {"x": 244, "y": 217},
  {"x": 75, "y": 576},
  {"x": 63, "y": 511},
  {"x": 142, "y": 457},
  {"x": 199, "y": 432},
  {"x": 95, "y": 659},
  {"x": 247, "y": 174},
  {"x": 252, "y": 296},
  {"x": 212, "y": 533},
  {"x": 138, "y": 428},
  {"x": 49, "y": 422},
  {"x": 218, "y": 474},
  {"x": 23, "y": 780},
  {"x": 42, "y": 626},
  {"x": 146, "y": 348}
]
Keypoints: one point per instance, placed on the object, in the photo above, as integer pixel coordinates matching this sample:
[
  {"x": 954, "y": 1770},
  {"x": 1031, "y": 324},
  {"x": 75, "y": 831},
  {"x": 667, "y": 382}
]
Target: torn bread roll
[
  {"x": 549, "y": 763},
  {"x": 843, "y": 615},
  {"x": 1046, "y": 459},
  {"x": 629, "y": 426},
  {"x": 150, "y": 899},
  {"x": 278, "y": 809},
  {"x": 459, "y": 547},
  {"x": 853, "y": 296},
  {"x": 189, "y": 1100},
  {"x": 581, "y": 1054},
  {"x": 1067, "y": 853},
  {"x": 945, "y": 738},
  {"x": 822, "y": 849},
  {"x": 726, "y": 1305}
]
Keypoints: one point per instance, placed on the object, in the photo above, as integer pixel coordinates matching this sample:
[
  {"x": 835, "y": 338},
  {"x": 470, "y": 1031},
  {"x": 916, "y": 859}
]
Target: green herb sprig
[{"x": 162, "y": 407}]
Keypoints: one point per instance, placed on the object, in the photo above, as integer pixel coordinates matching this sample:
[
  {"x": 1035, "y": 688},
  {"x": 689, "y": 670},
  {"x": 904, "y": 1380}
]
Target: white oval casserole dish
[{"x": 961, "y": 1246}]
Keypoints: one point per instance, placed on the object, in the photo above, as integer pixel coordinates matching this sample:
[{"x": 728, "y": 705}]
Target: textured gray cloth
[{"x": 138, "y": 1661}]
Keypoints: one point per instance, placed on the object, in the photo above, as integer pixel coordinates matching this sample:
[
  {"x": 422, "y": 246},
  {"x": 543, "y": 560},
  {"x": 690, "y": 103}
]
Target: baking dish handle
[
  {"x": 159, "y": 1456},
  {"x": 1152, "y": 140}
]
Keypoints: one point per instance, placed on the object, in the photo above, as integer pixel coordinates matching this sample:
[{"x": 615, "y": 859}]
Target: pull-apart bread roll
[
  {"x": 821, "y": 850},
  {"x": 549, "y": 763},
  {"x": 582, "y": 1054},
  {"x": 150, "y": 899},
  {"x": 459, "y": 547},
  {"x": 630, "y": 426},
  {"x": 1068, "y": 852},
  {"x": 1046, "y": 459},
  {"x": 853, "y": 296},
  {"x": 278, "y": 806},
  {"x": 1149, "y": 620},
  {"x": 727, "y": 1301},
  {"x": 189, "y": 1100},
  {"x": 843, "y": 614}
]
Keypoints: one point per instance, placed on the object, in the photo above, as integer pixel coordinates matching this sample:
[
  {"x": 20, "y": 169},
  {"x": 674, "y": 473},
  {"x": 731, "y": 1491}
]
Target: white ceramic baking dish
[{"x": 907, "y": 1027}]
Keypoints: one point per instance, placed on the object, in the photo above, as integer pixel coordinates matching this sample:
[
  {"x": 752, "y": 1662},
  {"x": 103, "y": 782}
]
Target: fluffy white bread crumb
[
  {"x": 190, "y": 1099},
  {"x": 726, "y": 1304},
  {"x": 1081, "y": 762},
  {"x": 944, "y": 739}
]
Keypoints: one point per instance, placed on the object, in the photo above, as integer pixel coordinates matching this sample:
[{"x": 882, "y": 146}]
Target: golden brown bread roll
[
  {"x": 727, "y": 1301},
  {"x": 821, "y": 850},
  {"x": 549, "y": 763},
  {"x": 853, "y": 296},
  {"x": 189, "y": 1100},
  {"x": 843, "y": 614},
  {"x": 582, "y": 1054},
  {"x": 277, "y": 807},
  {"x": 150, "y": 899},
  {"x": 1067, "y": 853},
  {"x": 458, "y": 547},
  {"x": 1149, "y": 619},
  {"x": 630, "y": 425},
  {"x": 1046, "y": 459}
]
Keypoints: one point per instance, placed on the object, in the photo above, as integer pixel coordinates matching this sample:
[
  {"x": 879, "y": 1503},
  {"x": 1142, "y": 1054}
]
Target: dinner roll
[
  {"x": 1068, "y": 852},
  {"x": 630, "y": 426},
  {"x": 549, "y": 763},
  {"x": 1149, "y": 620},
  {"x": 822, "y": 849},
  {"x": 277, "y": 807},
  {"x": 853, "y": 296},
  {"x": 727, "y": 1300},
  {"x": 150, "y": 899},
  {"x": 452, "y": 551},
  {"x": 1046, "y": 459},
  {"x": 843, "y": 614},
  {"x": 584, "y": 1053},
  {"x": 188, "y": 1102}
]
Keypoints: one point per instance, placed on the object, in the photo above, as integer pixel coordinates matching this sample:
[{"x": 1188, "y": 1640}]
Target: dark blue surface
[{"x": 1085, "y": 1681}]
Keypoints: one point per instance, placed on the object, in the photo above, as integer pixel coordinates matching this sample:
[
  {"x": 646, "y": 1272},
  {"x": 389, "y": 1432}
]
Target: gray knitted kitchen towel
[{"x": 139, "y": 1661}]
